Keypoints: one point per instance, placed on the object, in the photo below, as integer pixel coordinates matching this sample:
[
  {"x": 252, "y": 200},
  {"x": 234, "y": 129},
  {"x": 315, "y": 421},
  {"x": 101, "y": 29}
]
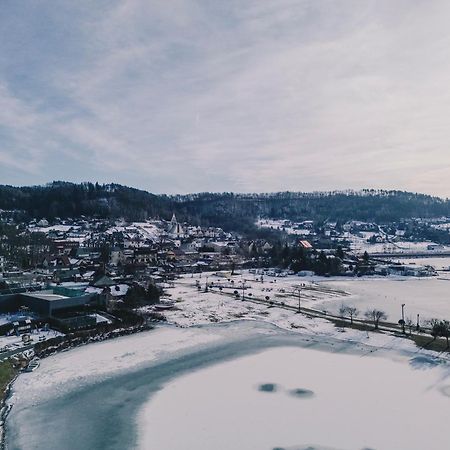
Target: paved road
[{"x": 383, "y": 326}]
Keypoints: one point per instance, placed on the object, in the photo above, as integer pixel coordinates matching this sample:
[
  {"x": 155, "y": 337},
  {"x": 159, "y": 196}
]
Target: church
[{"x": 175, "y": 230}]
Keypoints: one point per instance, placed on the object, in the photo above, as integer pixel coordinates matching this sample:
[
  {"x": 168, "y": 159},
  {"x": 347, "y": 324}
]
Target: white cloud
[{"x": 255, "y": 96}]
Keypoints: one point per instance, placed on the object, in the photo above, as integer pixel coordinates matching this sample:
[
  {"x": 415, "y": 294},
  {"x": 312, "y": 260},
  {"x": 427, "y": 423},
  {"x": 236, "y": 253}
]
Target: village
[{"x": 97, "y": 276}]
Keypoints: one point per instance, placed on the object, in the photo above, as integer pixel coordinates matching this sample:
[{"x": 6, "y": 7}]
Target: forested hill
[
  {"x": 63, "y": 200},
  {"x": 367, "y": 205},
  {"x": 232, "y": 211}
]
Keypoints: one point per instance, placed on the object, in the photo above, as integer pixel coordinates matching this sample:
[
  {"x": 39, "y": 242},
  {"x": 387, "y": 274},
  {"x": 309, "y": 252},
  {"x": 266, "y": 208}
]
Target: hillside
[
  {"x": 63, "y": 200},
  {"x": 368, "y": 205},
  {"x": 231, "y": 211}
]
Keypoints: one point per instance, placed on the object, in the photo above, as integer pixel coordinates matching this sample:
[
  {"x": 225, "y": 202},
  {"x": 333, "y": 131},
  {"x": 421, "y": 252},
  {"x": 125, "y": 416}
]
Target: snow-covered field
[
  {"x": 439, "y": 263},
  {"x": 359, "y": 244},
  {"x": 425, "y": 296},
  {"x": 293, "y": 228}
]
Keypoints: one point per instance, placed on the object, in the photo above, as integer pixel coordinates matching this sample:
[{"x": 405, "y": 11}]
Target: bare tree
[
  {"x": 375, "y": 315},
  {"x": 410, "y": 324},
  {"x": 343, "y": 310},
  {"x": 434, "y": 325},
  {"x": 440, "y": 328},
  {"x": 352, "y": 312},
  {"x": 349, "y": 310},
  {"x": 445, "y": 330}
]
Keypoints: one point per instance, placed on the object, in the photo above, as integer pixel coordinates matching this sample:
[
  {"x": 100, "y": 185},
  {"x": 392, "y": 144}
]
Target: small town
[
  {"x": 67, "y": 276},
  {"x": 224, "y": 225}
]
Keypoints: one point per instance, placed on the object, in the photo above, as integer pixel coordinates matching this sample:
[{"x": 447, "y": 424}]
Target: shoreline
[
  {"x": 5, "y": 409},
  {"x": 372, "y": 342}
]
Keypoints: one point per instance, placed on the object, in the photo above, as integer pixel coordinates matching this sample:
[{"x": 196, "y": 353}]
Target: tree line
[{"x": 230, "y": 211}]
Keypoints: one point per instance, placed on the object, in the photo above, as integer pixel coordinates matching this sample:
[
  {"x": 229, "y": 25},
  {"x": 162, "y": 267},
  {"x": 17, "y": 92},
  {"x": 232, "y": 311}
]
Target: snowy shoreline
[{"x": 197, "y": 311}]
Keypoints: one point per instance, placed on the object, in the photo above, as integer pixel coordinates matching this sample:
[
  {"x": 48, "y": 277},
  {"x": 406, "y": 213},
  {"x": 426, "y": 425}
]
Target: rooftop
[{"x": 45, "y": 295}]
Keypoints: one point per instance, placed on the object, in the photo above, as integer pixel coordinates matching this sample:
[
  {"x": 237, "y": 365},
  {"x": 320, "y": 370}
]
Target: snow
[
  {"x": 102, "y": 360},
  {"x": 118, "y": 290},
  {"x": 359, "y": 244},
  {"x": 287, "y": 226},
  {"x": 318, "y": 400},
  {"x": 95, "y": 362},
  {"x": 425, "y": 296},
  {"x": 15, "y": 342},
  {"x": 144, "y": 230},
  {"x": 60, "y": 228},
  {"x": 101, "y": 319},
  {"x": 439, "y": 263}
]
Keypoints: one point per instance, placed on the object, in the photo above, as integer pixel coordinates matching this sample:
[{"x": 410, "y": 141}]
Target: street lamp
[
  {"x": 299, "y": 291},
  {"x": 403, "y": 318},
  {"x": 243, "y": 287}
]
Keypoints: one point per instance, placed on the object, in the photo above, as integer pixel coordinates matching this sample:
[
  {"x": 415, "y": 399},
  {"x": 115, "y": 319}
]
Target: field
[{"x": 425, "y": 296}]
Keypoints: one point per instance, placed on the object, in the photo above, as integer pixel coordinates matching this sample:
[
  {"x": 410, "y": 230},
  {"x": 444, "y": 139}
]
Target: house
[
  {"x": 305, "y": 244},
  {"x": 63, "y": 246},
  {"x": 86, "y": 253},
  {"x": 56, "y": 261},
  {"x": 88, "y": 276},
  {"x": 145, "y": 255},
  {"x": 192, "y": 246},
  {"x": 43, "y": 223},
  {"x": 63, "y": 275},
  {"x": 103, "y": 281},
  {"x": 116, "y": 256}
]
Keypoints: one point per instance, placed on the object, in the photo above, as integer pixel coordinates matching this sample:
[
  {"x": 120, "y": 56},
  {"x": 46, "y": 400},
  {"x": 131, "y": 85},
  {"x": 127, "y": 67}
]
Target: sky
[{"x": 178, "y": 96}]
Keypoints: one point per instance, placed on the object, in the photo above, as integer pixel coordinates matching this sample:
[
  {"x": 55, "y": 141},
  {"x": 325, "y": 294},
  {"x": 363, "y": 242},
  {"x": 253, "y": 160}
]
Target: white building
[{"x": 175, "y": 230}]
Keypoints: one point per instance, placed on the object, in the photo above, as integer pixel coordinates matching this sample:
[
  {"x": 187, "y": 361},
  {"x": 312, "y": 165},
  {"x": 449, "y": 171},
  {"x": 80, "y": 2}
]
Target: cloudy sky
[{"x": 239, "y": 95}]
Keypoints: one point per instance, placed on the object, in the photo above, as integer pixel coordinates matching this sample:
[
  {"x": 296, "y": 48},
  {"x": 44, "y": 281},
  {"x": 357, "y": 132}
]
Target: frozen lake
[
  {"x": 238, "y": 386},
  {"x": 429, "y": 297},
  {"x": 297, "y": 398}
]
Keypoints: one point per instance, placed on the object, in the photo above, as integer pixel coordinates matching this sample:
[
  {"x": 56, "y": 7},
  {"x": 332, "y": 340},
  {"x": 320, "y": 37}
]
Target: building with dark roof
[{"x": 48, "y": 303}]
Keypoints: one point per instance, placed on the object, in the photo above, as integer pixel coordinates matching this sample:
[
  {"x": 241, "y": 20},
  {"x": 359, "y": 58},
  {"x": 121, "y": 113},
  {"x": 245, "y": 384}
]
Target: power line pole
[
  {"x": 403, "y": 318},
  {"x": 299, "y": 291}
]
